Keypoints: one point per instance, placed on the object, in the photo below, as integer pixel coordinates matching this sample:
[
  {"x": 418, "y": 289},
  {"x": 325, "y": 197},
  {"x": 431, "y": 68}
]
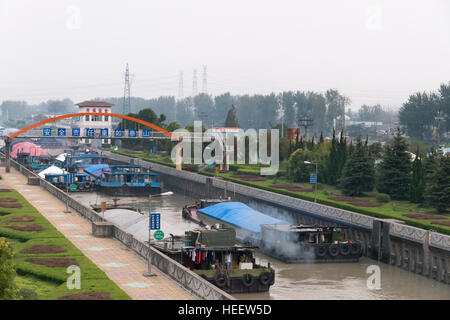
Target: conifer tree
[
  {"x": 332, "y": 167},
  {"x": 395, "y": 169},
  {"x": 417, "y": 186},
  {"x": 341, "y": 156},
  {"x": 358, "y": 174},
  {"x": 437, "y": 191},
  {"x": 321, "y": 140}
]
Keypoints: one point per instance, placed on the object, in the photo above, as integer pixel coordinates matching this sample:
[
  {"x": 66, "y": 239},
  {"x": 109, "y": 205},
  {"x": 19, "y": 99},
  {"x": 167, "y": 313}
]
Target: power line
[{"x": 205, "y": 80}]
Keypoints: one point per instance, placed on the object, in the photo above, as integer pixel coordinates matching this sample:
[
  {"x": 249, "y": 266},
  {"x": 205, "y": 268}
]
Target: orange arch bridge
[{"x": 72, "y": 115}]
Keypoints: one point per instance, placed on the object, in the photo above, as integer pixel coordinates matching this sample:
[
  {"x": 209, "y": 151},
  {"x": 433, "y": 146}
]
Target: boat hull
[{"x": 128, "y": 190}]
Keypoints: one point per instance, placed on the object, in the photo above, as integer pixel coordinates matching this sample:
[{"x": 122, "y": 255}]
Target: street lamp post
[{"x": 315, "y": 185}]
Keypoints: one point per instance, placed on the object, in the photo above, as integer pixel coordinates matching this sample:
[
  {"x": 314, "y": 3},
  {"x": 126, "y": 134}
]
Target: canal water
[{"x": 292, "y": 281}]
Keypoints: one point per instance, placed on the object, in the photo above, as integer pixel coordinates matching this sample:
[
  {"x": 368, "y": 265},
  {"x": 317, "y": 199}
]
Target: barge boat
[
  {"x": 214, "y": 255},
  {"x": 277, "y": 238}
]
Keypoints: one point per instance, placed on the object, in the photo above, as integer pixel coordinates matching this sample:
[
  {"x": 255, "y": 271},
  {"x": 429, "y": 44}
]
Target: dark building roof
[{"x": 94, "y": 103}]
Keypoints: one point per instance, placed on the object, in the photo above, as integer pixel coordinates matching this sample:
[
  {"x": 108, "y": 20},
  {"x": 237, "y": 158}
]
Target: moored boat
[
  {"x": 277, "y": 238},
  {"x": 214, "y": 255}
]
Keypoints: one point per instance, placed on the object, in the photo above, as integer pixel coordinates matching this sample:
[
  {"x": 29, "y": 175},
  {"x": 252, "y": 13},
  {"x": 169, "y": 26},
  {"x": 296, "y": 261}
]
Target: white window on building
[{"x": 86, "y": 118}]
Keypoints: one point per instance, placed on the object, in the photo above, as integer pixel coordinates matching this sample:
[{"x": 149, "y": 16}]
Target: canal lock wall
[{"x": 413, "y": 249}]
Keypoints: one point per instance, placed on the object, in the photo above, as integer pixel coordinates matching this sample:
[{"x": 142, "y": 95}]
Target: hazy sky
[{"x": 372, "y": 51}]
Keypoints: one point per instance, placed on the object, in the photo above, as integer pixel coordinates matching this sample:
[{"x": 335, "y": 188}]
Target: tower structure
[
  {"x": 127, "y": 93},
  {"x": 194, "y": 83},
  {"x": 180, "y": 87},
  {"x": 205, "y": 80}
]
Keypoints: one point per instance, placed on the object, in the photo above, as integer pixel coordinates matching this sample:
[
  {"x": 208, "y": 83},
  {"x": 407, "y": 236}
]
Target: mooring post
[{"x": 7, "y": 154}]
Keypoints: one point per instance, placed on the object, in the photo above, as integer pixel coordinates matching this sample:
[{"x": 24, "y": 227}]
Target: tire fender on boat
[
  {"x": 248, "y": 280},
  {"x": 345, "y": 249},
  {"x": 220, "y": 280},
  {"x": 333, "y": 250},
  {"x": 265, "y": 278},
  {"x": 320, "y": 250},
  {"x": 356, "y": 248}
]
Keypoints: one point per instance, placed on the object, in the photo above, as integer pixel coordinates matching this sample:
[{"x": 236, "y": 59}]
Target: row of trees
[
  {"x": 358, "y": 168},
  {"x": 259, "y": 111}
]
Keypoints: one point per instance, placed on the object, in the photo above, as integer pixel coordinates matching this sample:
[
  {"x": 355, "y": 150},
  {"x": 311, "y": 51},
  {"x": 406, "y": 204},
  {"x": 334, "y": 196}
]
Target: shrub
[
  {"x": 28, "y": 294},
  {"x": 383, "y": 197}
]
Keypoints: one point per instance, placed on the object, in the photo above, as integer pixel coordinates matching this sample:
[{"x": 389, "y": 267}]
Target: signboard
[
  {"x": 73, "y": 187},
  {"x": 155, "y": 221},
  {"x": 118, "y": 133},
  {"x": 90, "y": 132},
  {"x": 47, "y": 132},
  {"x": 159, "y": 235},
  {"x": 61, "y": 132},
  {"x": 131, "y": 133},
  {"x": 76, "y": 132},
  {"x": 313, "y": 178},
  {"x": 104, "y": 132},
  {"x": 146, "y": 133}
]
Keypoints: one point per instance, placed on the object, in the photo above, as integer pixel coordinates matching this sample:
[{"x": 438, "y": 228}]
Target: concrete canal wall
[
  {"x": 195, "y": 284},
  {"x": 413, "y": 249}
]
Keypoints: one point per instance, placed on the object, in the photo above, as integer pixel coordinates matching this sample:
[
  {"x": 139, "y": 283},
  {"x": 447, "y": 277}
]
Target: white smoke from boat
[{"x": 290, "y": 249}]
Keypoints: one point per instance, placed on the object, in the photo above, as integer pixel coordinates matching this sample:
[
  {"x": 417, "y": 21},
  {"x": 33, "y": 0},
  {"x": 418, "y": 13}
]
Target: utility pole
[
  {"x": 194, "y": 83},
  {"x": 127, "y": 93},
  {"x": 439, "y": 118},
  {"x": 180, "y": 87},
  {"x": 205, "y": 80}
]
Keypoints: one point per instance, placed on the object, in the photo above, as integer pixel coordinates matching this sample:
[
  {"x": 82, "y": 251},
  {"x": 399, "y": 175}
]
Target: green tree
[
  {"x": 394, "y": 174},
  {"x": 438, "y": 186},
  {"x": 332, "y": 167},
  {"x": 8, "y": 289},
  {"x": 359, "y": 174},
  {"x": 418, "y": 114},
  {"x": 417, "y": 186}
]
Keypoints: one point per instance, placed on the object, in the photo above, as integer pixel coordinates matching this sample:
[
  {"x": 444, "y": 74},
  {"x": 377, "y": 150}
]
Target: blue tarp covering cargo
[
  {"x": 240, "y": 215},
  {"x": 97, "y": 170}
]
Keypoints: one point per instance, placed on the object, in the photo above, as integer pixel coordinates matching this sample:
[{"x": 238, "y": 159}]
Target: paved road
[{"x": 121, "y": 265}]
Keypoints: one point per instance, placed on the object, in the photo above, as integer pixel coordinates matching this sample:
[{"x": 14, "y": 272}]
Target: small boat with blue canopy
[
  {"x": 78, "y": 162},
  {"x": 124, "y": 180}
]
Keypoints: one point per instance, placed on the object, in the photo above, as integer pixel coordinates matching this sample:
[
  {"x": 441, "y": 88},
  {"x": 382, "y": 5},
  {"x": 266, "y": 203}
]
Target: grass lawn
[
  {"x": 48, "y": 282},
  {"x": 391, "y": 210}
]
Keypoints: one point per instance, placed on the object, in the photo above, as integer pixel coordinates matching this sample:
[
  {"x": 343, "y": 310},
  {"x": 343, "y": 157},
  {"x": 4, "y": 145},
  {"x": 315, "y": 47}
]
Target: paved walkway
[{"x": 120, "y": 264}]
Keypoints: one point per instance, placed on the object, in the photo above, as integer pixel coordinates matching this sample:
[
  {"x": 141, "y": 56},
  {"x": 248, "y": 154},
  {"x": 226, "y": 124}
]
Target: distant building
[{"x": 95, "y": 122}]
